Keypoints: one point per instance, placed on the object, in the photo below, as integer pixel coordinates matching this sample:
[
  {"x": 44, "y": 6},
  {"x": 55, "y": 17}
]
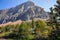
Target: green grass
[{"x": 4, "y": 34}]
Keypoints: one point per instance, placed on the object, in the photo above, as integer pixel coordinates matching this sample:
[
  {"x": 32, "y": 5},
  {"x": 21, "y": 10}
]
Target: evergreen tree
[
  {"x": 57, "y": 10},
  {"x": 51, "y": 17},
  {"x": 55, "y": 34}
]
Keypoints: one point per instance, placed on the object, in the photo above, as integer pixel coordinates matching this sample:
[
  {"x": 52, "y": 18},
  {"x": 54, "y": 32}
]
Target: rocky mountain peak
[
  {"x": 28, "y": 3},
  {"x": 24, "y": 12}
]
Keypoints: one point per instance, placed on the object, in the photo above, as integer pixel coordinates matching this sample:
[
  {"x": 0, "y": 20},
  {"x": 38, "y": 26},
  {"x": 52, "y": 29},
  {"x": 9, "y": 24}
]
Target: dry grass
[{"x": 11, "y": 23}]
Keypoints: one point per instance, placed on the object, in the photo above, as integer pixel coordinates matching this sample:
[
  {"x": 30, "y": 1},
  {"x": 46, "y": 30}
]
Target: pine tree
[
  {"x": 52, "y": 18},
  {"x": 57, "y": 10},
  {"x": 55, "y": 34}
]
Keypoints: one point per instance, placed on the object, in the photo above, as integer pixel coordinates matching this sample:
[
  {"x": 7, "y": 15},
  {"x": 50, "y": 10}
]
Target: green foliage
[
  {"x": 42, "y": 29},
  {"x": 7, "y": 28},
  {"x": 41, "y": 25},
  {"x": 25, "y": 30},
  {"x": 54, "y": 35},
  {"x": 33, "y": 23},
  {"x": 55, "y": 12},
  {"x": 1, "y": 29},
  {"x": 4, "y": 34},
  {"x": 52, "y": 18}
]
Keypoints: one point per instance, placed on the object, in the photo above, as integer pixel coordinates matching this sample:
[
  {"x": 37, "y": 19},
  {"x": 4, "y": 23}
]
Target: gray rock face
[{"x": 25, "y": 11}]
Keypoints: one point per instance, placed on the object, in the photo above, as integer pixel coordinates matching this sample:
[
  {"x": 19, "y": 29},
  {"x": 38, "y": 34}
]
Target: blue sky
[{"x": 46, "y": 4}]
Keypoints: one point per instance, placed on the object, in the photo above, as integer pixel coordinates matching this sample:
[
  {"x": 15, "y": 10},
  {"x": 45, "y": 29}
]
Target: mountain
[{"x": 24, "y": 11}]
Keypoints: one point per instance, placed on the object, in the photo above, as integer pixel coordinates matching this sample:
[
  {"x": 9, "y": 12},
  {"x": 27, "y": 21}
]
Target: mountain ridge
[{"x": 24, "y": 11}]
